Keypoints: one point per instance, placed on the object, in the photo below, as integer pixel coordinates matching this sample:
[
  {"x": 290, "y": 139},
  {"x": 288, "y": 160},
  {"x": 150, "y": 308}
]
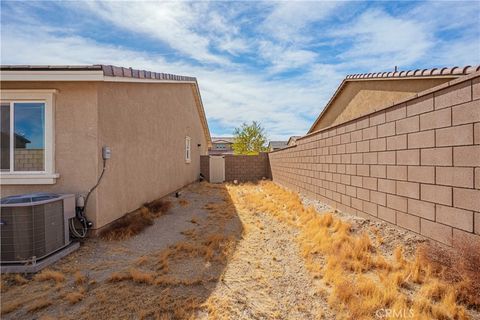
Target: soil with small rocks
[{"x": 262, "y": 275}]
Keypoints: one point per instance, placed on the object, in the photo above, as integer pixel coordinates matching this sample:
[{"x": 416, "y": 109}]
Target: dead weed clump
[
  {"x": 141, "y": 260},
  {"x": 458, "y": 266},
  {"x": 135, "y": 222},
  {"x": 39, "y": 304},
  {"x": 75, "y": 297},
  {"x": 48, "y": 274},
  {"x": 361, "y": 279},
  {"x": 158, "y": 207},
  {"x": 134, "y": 275},
  {"x": 183, "y": 202},
  {"x": 79, "y": 278},
  {"x": 11, "y": 306},
  {"x": 19, "y": 279}
]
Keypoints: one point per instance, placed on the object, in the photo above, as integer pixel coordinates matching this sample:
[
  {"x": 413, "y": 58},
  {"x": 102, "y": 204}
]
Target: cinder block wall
[
  {"x": 246, "y": 168},
  {"x": 415, "y": 164},
  {"x": 29, "y": 160},
  {"x": 240, "y": 167}
]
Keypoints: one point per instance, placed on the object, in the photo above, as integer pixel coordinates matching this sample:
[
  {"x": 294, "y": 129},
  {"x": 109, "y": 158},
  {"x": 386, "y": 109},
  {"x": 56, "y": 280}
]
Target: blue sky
[{"x": 273, "y": 62}]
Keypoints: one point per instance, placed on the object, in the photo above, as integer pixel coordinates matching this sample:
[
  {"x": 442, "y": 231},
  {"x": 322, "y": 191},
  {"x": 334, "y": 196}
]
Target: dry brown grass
[
  {"x": 158, "y": 207},
  {"x": 79, "y": 278},
  {"x": 140, "y": 276},
  {"x": 39, "y": 304},
  {"x": 181, "y": 292},
  {"x": 458, "y": 266},
  {"x": 134, "y": 275},
  {"x": 75, "y": 297},
  {"x": 119, "y": 276},
  {"x": 19, "y": 279},
  {"x": 135, "y": 222},
  {"x": 142, "y": 260},
  {"x": 48, "y": 274},
  {"x": 191, "y": 233},
  {"x": 361, "y": 279},
  {"x": 129, "y": 225},
  {"x": 183, "y": 202},
  {"x": 11, "y": 306}
]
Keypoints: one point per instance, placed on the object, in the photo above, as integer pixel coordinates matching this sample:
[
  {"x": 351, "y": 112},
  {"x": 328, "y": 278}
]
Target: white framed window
[
  {"x": 27, "y": 137},
  {"x": 188, "y": 154}
]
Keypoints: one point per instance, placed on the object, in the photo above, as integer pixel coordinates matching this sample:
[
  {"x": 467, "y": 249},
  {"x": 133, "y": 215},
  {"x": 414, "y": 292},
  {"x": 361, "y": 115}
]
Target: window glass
[
  {"x": 29, "y": 127},
  {"x": 5, "y": 138}
]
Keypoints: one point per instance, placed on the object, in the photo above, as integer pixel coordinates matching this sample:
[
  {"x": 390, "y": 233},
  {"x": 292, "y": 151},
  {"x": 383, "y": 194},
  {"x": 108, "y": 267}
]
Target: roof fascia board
[
  {"x": 57, "y": 75},
  {"x": 201, "y": 112},
  {"x": 339, "y": 88},
  {"x": 72, "y": 75}
]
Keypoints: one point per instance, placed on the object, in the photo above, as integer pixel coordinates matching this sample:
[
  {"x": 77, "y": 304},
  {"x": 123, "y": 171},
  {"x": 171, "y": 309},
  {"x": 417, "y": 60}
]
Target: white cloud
[
  {"x": 230, "y": 96},
  {"x": 380, "y": 40},
  {"x": 294, "y": 37},
  {"x": 288, "y": 20},
  {"x": 174, "y": 23},
  {"x": 283, "y": 58},
  {"x": 443, "y": 16},
  {"x": 285, "y": 33}
]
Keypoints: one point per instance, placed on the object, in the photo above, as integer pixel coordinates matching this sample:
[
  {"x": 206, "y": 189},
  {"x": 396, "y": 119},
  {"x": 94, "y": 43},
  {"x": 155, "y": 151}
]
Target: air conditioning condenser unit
[{"x": 34, "y": 230}]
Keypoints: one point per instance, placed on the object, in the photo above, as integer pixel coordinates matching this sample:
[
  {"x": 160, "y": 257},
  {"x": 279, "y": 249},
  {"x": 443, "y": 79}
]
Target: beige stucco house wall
[{"x": 144, "y": 123}]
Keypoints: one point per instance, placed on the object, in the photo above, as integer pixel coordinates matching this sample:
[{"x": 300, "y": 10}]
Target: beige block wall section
[
  {"x": 145, "y": 126},
  {"x": 75, "y": 139},
  {"x": 29, "y": 159},
  {"x": 415, "y": 164}
]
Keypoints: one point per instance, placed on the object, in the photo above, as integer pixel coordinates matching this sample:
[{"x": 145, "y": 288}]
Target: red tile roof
[{"x": 417, "y": 73}]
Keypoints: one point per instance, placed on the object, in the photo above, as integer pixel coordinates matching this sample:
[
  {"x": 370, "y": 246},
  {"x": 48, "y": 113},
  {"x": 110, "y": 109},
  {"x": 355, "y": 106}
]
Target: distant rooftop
[
  {"x": 277, "y": 144},
  {"x": 292, "y": 139},
  {"x": 220, "y": 139}
]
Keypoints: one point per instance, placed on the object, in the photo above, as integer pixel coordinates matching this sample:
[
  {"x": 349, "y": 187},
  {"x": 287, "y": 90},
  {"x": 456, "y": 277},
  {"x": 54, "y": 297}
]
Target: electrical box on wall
[{"x": 106, "y": 152}]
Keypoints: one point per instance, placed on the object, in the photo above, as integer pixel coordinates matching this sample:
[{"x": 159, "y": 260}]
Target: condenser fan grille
[{"x": 31, "y": 232}]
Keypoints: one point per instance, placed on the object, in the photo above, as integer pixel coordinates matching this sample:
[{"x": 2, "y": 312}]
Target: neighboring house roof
[
  {"x": 435, "y": 73},
  {"x": 277, "y": 144},
  {"x": 292, "y": 140},
  {"x": 222, "y": 139},
  {"x": 100, "y": 72},
  {"x": 20, "y": 141}
]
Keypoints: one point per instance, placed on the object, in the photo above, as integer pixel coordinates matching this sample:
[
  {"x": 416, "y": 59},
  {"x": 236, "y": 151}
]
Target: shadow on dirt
[{"x": 173, "y": 282}]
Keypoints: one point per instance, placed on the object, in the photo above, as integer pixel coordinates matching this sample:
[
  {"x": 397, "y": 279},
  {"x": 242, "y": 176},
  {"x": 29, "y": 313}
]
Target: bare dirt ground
[{"x": 210, "y": 257}]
